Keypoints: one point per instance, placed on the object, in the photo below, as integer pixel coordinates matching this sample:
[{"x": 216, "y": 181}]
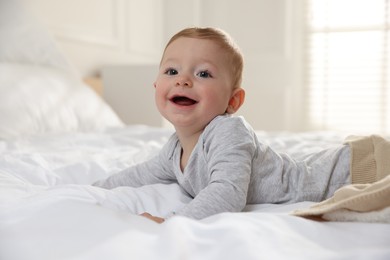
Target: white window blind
[{"x": 348, "y": 65}]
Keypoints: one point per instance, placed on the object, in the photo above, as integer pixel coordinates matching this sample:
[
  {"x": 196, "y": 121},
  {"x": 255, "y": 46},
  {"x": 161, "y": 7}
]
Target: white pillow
[{"x": 36, "y": 100}]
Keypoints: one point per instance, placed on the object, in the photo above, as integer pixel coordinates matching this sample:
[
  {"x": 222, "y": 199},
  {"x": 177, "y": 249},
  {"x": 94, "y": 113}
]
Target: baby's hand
[{"x": 156, "y": 219}]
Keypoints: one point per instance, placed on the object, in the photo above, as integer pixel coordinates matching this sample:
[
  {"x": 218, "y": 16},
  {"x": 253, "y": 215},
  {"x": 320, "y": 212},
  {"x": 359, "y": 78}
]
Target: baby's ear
[{"x": 236, "y": 101}]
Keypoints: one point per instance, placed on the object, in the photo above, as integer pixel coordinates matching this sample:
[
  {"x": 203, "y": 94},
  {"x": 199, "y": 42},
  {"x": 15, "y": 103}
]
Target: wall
[{"x": 94, "y": 34}]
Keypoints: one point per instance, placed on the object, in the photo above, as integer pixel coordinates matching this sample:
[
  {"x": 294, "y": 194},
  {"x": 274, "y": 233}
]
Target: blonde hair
[{"x": 221, "y": 38}]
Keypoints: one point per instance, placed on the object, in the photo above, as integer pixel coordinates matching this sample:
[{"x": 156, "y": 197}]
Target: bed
[{"x": 57, "y": 137}]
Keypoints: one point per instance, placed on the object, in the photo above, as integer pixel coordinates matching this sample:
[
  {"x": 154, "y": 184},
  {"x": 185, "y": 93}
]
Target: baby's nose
[{"x": 184, "y": 82}]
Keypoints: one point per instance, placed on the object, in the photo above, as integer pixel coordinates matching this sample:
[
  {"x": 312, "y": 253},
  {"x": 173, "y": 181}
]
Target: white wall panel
[
  {"x": 144, "y": 26},
  {"x": 93, "y": 34},
  {"x": 94, "y": 22}
]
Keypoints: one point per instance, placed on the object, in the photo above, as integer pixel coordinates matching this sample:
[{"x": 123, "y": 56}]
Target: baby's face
[{"x": 194, "y": 84}]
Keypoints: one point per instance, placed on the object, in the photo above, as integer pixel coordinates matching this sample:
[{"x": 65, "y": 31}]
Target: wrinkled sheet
[{"x": 49, "y": 210}]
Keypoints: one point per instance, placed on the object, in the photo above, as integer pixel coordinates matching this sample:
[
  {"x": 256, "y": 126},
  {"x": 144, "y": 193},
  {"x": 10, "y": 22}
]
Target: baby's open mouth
[{"x": 183, "y": 101}]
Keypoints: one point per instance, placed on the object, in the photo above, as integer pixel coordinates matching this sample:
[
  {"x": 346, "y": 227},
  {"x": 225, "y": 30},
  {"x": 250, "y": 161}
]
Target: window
[{"x": 348, "y": 65}]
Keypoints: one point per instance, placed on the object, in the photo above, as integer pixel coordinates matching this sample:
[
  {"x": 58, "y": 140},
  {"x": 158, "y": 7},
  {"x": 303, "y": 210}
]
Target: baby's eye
[
  {"x": 204, "y": 74},
  {"x": 171, "y": 71}
]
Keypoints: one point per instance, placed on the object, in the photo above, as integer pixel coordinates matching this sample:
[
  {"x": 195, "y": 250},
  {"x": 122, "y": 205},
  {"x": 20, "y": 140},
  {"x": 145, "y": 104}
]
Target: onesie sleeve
[
  {"x": 153, "y": 171},
  {"x": 229, "y": 149}
]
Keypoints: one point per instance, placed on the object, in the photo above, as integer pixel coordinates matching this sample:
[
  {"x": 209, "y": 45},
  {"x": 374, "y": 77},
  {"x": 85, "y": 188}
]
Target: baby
[{"x": 214, "y": 156}]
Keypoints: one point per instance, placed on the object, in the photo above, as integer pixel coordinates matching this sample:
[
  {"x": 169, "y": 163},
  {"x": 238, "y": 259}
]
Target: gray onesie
[{"x": 230, "y": 168}]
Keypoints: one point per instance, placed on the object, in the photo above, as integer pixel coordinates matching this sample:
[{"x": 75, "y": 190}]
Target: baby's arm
[
  {"x": 228, "y": 156},
  {"x": 148, "y": 172},
  {"x": 215, "y": 198},
  {"x": 226, "y": 190},
  {"x": 152, "y": 171},
  {"x": 154, "y": 218}
]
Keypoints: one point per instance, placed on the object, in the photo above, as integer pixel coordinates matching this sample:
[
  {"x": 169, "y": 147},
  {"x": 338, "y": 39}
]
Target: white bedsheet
[{"x": 48, "y": 210}]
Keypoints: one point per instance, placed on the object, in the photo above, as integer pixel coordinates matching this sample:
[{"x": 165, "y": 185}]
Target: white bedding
[{"x": 48, "y": 210}]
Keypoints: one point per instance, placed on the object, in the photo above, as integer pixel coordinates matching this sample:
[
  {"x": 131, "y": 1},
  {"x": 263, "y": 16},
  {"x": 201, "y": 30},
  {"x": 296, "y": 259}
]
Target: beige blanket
[
  {"x": 370, "y": 158},
  {"x": 355, "y": 202},
  {"x": 368, "y": 197}
]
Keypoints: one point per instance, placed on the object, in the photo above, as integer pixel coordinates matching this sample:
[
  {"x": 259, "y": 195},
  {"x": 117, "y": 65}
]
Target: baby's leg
[
  {"x": 341, "y": 175},
  {"x": 328, "y": 171}
]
